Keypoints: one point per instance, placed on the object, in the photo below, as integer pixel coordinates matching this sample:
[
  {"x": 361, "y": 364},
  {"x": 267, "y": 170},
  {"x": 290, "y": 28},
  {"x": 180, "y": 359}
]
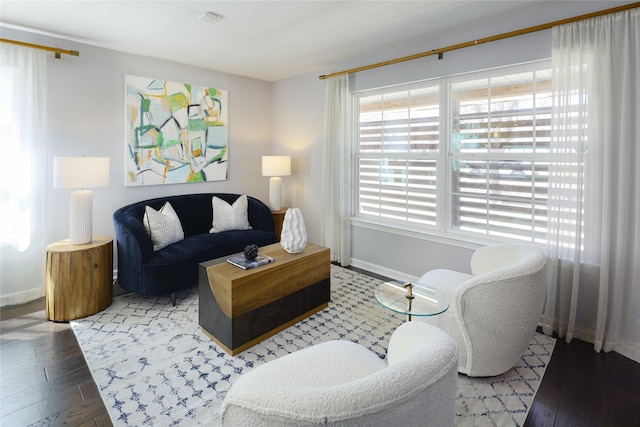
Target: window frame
[
  {"x": 357, "y": 155},
  {"x": 443, "y": 231}
]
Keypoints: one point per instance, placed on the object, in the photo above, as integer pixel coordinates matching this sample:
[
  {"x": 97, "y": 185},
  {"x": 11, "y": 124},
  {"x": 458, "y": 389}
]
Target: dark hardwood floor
[
  {"x": 584, "y": 388},
  {"x": 44, "y": 380}
]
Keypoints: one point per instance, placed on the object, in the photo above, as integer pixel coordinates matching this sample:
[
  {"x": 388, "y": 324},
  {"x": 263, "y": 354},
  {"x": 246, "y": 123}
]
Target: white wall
[
  {"x": 297, "y": 117},
  {"x": 86, "y": 108}
]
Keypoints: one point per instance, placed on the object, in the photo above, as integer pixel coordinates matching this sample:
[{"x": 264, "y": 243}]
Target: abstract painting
[{"x": 175, "y": 132}]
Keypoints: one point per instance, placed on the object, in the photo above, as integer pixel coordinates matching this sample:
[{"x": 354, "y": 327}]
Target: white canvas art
[{"x": 175, "y": 132}]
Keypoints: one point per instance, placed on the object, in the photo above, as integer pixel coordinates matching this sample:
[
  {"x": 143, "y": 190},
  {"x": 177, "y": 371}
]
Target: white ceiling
[{"x": 273, "y": 40}]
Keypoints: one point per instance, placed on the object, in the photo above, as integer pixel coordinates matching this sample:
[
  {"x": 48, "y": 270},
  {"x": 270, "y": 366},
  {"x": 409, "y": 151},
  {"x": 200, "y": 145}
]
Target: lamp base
[
  {"x": 81, "y": 217},
  {"x": 275, "y": 184}
]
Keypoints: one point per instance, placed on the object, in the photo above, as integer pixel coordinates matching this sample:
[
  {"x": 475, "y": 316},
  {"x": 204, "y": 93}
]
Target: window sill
[{"x": 459, "y": 240}]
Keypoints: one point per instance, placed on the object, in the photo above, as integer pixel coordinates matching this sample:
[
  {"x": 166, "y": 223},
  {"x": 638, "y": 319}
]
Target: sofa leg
[{"x": 173, "y": 299}]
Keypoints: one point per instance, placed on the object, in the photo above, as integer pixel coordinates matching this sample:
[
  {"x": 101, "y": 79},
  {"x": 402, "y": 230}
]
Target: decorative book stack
[{"x": 245, "y": 264}]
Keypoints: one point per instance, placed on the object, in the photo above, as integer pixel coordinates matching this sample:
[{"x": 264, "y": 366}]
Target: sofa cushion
[
  {"x": 229, "y": 216},
  {"x": 163, "y": 226}
]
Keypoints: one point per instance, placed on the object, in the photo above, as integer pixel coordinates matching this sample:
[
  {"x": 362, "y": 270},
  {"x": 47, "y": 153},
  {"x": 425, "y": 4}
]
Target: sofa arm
[
  {"x": 134, "y": 249},
  {"x": 259, "y": 214}
]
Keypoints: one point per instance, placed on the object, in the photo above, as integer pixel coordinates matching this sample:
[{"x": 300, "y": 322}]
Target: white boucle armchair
[
  {"x": 494, "y": 311},
  {"x": 341, "y": 383}
]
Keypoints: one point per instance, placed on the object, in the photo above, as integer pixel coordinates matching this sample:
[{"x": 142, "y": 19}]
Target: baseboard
[
  {"x": 393, "y": 274},
  {"x": 22, "y": 297}
]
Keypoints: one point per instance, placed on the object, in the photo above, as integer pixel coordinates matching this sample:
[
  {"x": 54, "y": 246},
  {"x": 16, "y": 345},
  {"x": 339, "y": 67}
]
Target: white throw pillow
[
  {"x": 164, "y": 227},
  {"x": 229, "y": 217}
]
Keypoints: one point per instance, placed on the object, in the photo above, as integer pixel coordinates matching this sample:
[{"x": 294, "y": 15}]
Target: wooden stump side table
[
  {"x": 79, "y": 278},
  {"x": 278, "y": 219}
]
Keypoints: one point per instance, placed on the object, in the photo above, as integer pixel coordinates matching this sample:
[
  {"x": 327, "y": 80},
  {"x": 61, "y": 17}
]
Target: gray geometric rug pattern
[{"x": 155, "y": 367}]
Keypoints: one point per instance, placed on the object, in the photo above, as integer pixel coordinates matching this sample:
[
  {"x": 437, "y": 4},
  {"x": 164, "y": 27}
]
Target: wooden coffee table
[{"x": 239, "y": 308}]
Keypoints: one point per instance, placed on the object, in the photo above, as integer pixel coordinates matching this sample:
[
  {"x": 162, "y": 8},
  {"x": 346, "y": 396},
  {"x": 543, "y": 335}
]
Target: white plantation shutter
[
  {"x": 500, "y": 155},
  {"x": 398, "y": 147}
]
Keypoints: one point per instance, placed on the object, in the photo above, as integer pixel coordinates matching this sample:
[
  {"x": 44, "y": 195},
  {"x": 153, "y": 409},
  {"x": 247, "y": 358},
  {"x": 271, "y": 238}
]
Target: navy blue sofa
[{"x": 175, "y": 267}]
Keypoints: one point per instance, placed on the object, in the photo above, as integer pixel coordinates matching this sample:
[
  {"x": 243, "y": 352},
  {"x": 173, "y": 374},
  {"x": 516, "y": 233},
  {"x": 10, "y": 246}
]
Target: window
[
  {"x": 399, "y": 146},
  {"x": 467, "y": 155}
]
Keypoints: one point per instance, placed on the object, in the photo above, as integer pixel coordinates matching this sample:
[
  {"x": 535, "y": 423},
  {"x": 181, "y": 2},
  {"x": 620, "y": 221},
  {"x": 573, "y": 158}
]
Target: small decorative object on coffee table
[
  {"x": 251, "y": 252},
  {"x": 246, "y": 264},
  {"x": 294, "y": 233}
]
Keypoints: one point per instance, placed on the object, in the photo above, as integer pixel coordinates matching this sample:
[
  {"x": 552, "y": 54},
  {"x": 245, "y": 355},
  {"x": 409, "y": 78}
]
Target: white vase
[{"x": 294, "y": 233}]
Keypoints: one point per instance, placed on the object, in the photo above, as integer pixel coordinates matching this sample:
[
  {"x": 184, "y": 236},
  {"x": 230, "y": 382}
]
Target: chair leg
[{"x": 173, "y": 299}]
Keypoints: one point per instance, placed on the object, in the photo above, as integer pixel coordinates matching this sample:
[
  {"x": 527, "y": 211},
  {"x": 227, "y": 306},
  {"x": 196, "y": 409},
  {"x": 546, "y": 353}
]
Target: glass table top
[{"x": 411, "y": 299}]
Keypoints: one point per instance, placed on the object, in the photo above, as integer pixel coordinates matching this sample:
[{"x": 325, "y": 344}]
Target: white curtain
[
  {"x": 594, "y": 194},
  {"x": 22, "y": 174},
  {"x": 336, "y": 167}
]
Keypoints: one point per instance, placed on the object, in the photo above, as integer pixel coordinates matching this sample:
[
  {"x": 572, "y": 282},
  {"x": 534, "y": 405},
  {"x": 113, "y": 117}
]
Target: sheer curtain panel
[
  {"x": 594, "y": 184},
  {"x": 22, "y": 175},
  {"x": 336, "y": 231}
]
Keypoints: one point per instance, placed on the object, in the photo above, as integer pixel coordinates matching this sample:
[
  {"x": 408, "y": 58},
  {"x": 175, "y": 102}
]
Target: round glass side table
[{"x": 411, "y": 299}]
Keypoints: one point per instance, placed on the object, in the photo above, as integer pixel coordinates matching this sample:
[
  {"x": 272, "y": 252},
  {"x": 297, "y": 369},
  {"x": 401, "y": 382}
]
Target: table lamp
[
  {"x": 80, "y": 173},
  {"x": 275, "y": 167}
]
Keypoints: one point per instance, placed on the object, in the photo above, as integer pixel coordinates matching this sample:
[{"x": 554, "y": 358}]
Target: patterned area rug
[{"x": 155, "y": 367}]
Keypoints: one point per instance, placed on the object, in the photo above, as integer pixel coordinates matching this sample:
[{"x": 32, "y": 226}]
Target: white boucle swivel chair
[
  {"x": 494, "y": 311},
  {"x": 341, "y": 383}
]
